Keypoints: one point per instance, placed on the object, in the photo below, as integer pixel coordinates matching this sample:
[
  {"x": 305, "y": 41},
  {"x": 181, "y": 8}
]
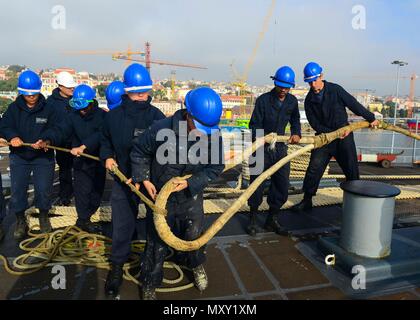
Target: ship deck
[{"x": 240, "y": 267}]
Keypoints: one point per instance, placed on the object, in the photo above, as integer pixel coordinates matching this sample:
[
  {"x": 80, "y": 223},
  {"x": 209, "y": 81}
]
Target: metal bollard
[{"x": 368, "y": 216}]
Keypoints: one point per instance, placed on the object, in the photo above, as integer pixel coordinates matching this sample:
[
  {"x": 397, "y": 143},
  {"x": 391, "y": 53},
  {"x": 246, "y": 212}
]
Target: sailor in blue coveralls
[
  {"x": 83, "y": 127},
  {"x": 60, "y": 99},
  {"x": 121, "y": 126},
  {"x": 325, "y": 108},
  {"x": 2, "y": 203},
  {"x": 185, "y": 206},
  {"x": 31, "y": 120},
  {"x": 273, "y": 111}
]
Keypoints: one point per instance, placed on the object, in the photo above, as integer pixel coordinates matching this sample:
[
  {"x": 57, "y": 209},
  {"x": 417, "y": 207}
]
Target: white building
[
  {"x": 230, "y": 102},
  {"x": 49, "y": 79},
  {"x": 168, "y": 108}
]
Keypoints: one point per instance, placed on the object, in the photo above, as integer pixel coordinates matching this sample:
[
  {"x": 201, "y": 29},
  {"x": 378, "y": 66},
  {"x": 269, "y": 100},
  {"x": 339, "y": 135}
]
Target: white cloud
[{"x": 212, "y": 33}]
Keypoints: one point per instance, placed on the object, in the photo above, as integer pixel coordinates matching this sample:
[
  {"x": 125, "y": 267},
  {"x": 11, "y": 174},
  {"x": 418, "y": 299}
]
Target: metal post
[
  {"x": 399, "y": 64},
  {"x": 395, "y": 108},
  {"x": 415, "y": 141}
]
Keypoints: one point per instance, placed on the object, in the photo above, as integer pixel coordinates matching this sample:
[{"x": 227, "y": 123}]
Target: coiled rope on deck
[{"x": 73, "y": 246}]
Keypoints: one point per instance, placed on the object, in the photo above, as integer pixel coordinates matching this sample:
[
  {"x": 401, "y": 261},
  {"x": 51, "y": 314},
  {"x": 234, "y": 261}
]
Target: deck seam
[
  {"x": 235, "y": 273},
  {"x": 267, "y": 272}
]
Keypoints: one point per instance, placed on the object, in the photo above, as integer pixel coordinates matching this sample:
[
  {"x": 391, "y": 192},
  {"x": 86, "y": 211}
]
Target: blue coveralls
[
  {"x": 89, "y": 175},
  {"x": 64, "y": 159},
  {"x": 121, "y": 126},
  {"x": 273, "y": 115},
  {"x": 326, "y": 112},
  {"x": 30, "y": 125},
  {"x": 2, "y": 202},
  {"x": 185, "y": 208}
]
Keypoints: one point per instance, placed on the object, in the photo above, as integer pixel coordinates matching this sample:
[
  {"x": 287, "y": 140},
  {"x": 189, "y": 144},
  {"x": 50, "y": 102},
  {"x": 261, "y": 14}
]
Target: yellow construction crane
[
  {"x": 127, "y": 57},
  {"x": 124, "y": 55},
  {"x": 241, "y": 79},
  {"x": 173, "y": 79}
]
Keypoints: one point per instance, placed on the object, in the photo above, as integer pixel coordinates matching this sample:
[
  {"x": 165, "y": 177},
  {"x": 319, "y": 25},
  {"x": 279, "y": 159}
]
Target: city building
[
  {"x": 49, "y": 78},
  {"x": 168, "y": 108},
  {"x": 3, "y": 75},
  {"x": 231, "y": 104}
]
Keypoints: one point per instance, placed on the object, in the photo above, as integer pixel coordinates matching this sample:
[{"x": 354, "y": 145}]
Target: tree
[
  {"x": 403, "y": 113},
  {"x": 16, "y": 68},
  {"x": 391, "y": 109},
  {"x": 192, "y": 86},
  {"x": 101, "y": 90},
  {"x": 167, "y": 84},
  {"x": 384, "y": 112},
  {"x": 159, "y": 94},
  {"x": 8, "y": 85},
  {"x": 4, "y": 103}
]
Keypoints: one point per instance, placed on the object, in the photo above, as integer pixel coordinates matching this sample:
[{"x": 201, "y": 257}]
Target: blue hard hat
[
  {"x": 113, "y": 94},
  {"x": 82, "y": 96},
  {"x": 205, "y": 107},
  {"x": 29, "y": 83},
  {"x": 285, "y": 77},
  {"x": 137, "y": 79},
  {"x": 311, "y": 72}
]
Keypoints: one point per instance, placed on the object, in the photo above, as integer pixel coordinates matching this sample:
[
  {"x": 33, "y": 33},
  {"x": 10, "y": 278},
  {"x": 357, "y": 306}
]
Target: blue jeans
[{"x": 43, "y": 177}]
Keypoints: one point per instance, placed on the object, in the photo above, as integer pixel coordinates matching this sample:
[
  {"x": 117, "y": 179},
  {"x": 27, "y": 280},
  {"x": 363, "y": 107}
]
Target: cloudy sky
[{"x": 213, "y": 33}]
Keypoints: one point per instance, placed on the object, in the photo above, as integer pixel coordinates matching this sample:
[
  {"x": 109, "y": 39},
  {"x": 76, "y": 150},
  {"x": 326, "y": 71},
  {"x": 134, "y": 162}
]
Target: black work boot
[
  {"x": 304, "y": 205},
  {"x": 200, "y": 278},
  {"x": 114, "y": 280},
  {"x": 272, "y": 224},
  {"x": 88, "y": 226},
  {"x": 44, "y": 222},
  {"x": 64, "y": 202},
  {"x": 251, "y": 228},
  {"x": 149, "y": 293},
  {"x": 2, "y": 233},
  {"x": 21, "y": 226}
]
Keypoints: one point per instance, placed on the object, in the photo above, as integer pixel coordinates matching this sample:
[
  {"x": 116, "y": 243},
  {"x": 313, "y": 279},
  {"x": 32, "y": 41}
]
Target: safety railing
[{"x": 407, "y": 150}]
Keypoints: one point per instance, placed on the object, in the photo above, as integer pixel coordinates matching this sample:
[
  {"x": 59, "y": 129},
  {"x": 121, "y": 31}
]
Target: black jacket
[
  {"x": 145, "y": 154},
  {"x": 62, "y": 106},
  {"x": 59, "y": 102},
  {"x": 330, "y": 113},
  {"x": 121, "y": 126},
  {"x": 30, "y": 125},
  {"x": 273, "y": 116},
  {"x": 84, "y": 130}
]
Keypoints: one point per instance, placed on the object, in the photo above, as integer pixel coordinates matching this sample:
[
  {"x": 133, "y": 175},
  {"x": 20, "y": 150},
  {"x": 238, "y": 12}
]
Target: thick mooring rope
[
  {"x": 313, "y": 143},
  {"x": 159, "y": 207}
]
